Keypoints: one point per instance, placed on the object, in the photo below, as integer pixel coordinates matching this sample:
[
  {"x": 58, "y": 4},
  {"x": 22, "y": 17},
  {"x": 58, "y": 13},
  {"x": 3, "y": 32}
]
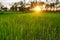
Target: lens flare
[{"x": 37, "y": 8}]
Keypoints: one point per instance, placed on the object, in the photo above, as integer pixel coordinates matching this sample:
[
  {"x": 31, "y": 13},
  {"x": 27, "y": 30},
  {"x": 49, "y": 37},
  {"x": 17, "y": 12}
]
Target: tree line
[{"x": 21, "y": 6}]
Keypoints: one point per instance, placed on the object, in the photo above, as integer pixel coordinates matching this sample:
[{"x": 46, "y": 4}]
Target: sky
[
  {"x": 9, "y": 0},
  {"x": 6, "y": 2}
]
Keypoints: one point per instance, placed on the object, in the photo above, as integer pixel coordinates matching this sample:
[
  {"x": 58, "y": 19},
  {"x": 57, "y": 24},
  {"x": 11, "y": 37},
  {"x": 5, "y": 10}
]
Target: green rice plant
[{"x": 28, "y": 26}]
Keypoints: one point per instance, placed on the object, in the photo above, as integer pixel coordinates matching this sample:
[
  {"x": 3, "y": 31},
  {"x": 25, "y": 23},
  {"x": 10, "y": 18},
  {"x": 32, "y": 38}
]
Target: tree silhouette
[
  {"x": 15, "y": 6},
  {"x": 12, "y": 8},
  {"x": 22, "y": 6},
  {"x": 1, "y": 6}
]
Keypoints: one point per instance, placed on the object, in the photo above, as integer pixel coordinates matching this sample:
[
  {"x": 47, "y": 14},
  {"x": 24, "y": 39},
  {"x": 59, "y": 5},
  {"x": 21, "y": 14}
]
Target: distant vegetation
[{"x": 23, "y": 6}]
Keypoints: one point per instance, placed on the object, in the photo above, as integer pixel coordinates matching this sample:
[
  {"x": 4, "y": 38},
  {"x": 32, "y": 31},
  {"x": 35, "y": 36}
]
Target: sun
[{"x": 37, "y": 8}]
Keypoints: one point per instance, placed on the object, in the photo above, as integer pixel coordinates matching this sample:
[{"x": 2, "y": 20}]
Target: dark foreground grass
[{"x": 30, "y": 26}]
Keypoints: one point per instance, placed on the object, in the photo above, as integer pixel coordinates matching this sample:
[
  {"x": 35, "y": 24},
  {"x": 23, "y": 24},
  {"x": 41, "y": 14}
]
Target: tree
[
  {"x": 15, "y": 6},
  {"x": 24, "y": 2},
  {"x": 1, "y": 8},
  {"x": 22, "y": 6},
  {"x": 12, "y": 8},
  {"x": 1, "y": 5},
  {"x": 32, "y": 3},
  {"x": 57, "y": 1}
]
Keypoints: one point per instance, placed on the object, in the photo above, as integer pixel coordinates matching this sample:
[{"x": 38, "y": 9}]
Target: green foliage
[
  {"x": 30, "y": 27},
  {"x": 1, "y": 13}
]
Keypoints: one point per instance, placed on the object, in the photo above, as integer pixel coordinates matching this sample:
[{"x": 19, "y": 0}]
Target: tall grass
[{"x": 30, "y": 27}]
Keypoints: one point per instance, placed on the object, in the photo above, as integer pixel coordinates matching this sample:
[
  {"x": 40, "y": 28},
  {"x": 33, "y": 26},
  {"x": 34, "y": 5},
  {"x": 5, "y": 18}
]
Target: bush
[{"x": 1, "y": 12}]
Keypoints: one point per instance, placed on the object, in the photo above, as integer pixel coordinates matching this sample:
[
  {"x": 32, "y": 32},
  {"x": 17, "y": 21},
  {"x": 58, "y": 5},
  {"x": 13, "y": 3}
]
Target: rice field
[{"x": 30, "y": 26}]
